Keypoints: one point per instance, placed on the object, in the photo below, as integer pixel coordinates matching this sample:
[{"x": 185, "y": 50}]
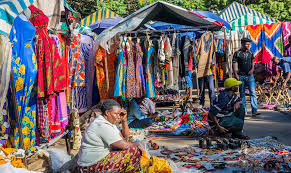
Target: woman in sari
[{"x": 102, "y": 136}]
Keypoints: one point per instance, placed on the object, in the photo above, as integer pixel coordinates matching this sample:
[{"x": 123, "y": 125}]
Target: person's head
[
  {"x": 139, "y": 100},
  {"x": 110, "y": 110},
  {"x": 289, "y": 39},
  {"x": 231, "y": 84},
  {"x": 246, "y": 43},
  {"x": 276, "y": 60}
]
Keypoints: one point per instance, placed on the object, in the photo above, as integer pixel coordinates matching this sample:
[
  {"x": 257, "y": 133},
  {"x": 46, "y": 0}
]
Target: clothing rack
[{"x": 161, "y": 31}]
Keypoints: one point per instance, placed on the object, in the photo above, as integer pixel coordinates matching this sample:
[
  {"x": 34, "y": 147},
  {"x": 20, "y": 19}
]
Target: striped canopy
[
  {"x": 247, "y": 19},
  {"x": 98, "y": 15},
  {"x": 9, "y": 10},
  {"x": 236, "y": 10}
]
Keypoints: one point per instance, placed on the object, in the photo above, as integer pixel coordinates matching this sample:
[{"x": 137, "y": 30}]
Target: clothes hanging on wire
[{"x": 150, "y": 90}]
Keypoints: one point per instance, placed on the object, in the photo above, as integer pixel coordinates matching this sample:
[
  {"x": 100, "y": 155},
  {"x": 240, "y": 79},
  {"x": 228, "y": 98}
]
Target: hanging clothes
[
  {"x": 150, "y": 89},
  {"x": 140, "y": 80},
  {"x": 5, "y": 67},
  {"x": 24, "y": 75},
  {"x": 286, "y": 26},
  {"x": 257, "y": 41},
  {"x": 131, "y": 91},
  {"x": 176, "y": 60},
  {"x": 206, "y": 49},
  {"x": 65, "y": 47},
  {"x": 51, "y": 78},
  {"x": 77, "y": 63},
  {"x": 272, "y": 39},
  {"x": 100, "y": 73},
  {"x": 236, "y": 38},
  {"x": 111, "y": 67},
  {"x": 119, "y": 71},
  {"x": 169, "y": 59}
]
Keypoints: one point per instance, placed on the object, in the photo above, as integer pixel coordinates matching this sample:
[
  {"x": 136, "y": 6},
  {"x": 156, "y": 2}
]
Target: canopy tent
[
  {"x": 236, "y": 10},
  {"x": 9, "y": 10},
  {"x": 247, "y": 19},
  {"x": 204, "y": 14},
  {"x": 158, "y": 11},
  {"x": 103, "y": 13}
]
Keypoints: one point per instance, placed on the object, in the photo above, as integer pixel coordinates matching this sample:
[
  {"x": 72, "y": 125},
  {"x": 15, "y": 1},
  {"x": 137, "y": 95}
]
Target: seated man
[
  {"x": 227, "y": 112},
  {"x": 135, "y": 118},
  {"x": 285, "y": 64},
  {"x": 147, "y": 106}
]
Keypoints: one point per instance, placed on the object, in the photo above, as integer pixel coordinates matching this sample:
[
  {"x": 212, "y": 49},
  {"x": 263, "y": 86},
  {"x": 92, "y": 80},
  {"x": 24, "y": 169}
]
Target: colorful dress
[
  {"x": 24, "y": 75},
  {"x": 77, "y": 63},
  {"x": 51, "y": 77},
  {"x": 131, "y": 72},
  {"x": 140, "y": 81},
  {"x": 100, "y": 74},
  {"x": 150, "y": 89},
  {"x": 119, "y": 73}
]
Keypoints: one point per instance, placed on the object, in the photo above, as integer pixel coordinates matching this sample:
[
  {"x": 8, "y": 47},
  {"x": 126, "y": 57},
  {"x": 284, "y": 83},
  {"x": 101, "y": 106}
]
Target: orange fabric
[
  {"x": 255, "y": 32},
  {"x": 271, "y": 29},
  {"x": 100, "y": 73},
  {"x": 16, "y": 162}
]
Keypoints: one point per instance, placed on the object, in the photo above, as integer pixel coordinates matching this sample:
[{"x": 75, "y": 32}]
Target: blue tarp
[{"x": 213, "y": 17}]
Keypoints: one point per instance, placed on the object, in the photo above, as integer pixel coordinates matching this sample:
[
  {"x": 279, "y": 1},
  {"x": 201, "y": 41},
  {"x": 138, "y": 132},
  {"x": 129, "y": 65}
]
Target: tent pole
[
  {"x": 14, "y": 102},
  {"x": 106, "y": 72}
]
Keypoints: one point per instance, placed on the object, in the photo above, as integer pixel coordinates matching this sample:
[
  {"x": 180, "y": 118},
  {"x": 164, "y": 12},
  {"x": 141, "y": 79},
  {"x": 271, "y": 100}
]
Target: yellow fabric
[
  {"x": 159, "y": 166},
  {"x": 231, "y": 82},
  {"x": 16, "y": 162},
  {"x": 144, "y": 160}
]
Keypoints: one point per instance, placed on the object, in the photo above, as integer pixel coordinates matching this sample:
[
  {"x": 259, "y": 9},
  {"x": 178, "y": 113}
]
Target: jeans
[
  {"x": 250, "y": 82},
  {"x": 143, "y": 123},
  {"x": 234, "y": 123},
  {"x": 202, "y": 82}
]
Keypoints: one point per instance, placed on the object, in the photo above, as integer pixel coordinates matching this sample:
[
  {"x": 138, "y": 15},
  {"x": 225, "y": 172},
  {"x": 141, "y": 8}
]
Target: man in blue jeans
[{"x": 245, "y": 61}]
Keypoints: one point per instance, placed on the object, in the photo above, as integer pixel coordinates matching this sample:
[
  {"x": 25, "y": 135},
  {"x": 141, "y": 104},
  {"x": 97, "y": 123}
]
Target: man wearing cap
[
  {"x": 245, "y": 61},
  {"x": 228, "y": 113}
]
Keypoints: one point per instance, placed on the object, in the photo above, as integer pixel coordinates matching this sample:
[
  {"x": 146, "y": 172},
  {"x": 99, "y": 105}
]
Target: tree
[{"x": 277, "y": 9}]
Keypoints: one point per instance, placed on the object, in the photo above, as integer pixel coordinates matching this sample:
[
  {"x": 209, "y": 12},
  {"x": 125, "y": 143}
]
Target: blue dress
[
  {"x": 150, "y": 89},
  {"x": 119, "y": 75},
  {"x": 24, "y": 70}
]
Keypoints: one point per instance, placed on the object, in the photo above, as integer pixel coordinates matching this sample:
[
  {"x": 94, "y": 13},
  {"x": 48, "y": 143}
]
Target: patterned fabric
[
  {"x": 131, "y": 72},
  {"x": 256, "y": 36},
  {"x": 64, "y": 49},
  {"x": 117, "y": 161},
  {"x": 24, "y": 75},
  {"x": 273, "y": 43},
  {"x": 100, "y": 73},
  {"x": 4, "y": 124},
  {"x": 51, "y": 78},
  {"x": 140, "y": 81},
  {"x": 236, "y": 38},
  {"x": 150, "y": 90},
  {"x": 176, "y": 57},
  {"x": 5, "y": 68},
  {"x": 286, "y": 26},
  {"x": 77, "y": 63},
  {"x": 76, "y": 132},
  {"x": 43, "y": 119}
]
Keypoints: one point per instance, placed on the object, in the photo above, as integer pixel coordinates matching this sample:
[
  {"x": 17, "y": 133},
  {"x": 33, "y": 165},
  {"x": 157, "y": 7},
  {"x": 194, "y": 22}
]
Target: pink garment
[
  {"x": 63, "y": 110},
  {"x": 56, "y": 124},
  {"x": 286, "y": 31}
]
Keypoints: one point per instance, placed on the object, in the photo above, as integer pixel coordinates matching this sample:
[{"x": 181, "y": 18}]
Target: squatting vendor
[
  {"x": 227, "y": 112},
  {"x": 285, "y": 65}
]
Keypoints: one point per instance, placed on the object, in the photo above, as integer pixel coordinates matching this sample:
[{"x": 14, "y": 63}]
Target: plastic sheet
[{"x": 58, "y": 158}]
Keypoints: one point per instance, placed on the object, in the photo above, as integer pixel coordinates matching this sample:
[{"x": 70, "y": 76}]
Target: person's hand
[
  {"x": 284, "y": 85},
  {"x": 123, "y": 115},
  {"x": 236, "y": 76},
  {"x": 251, "y": 72},
  {"x": 222, "y": 129},
  {"x": 237, "y": 105}
]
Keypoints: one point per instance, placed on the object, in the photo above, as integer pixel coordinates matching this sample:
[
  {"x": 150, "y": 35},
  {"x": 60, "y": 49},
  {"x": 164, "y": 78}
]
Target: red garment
[{"x": 51, "y": 77}]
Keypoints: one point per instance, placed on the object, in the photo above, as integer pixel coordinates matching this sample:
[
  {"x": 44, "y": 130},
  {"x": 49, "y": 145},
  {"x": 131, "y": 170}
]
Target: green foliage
[{"x": 278, "y": 9}]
